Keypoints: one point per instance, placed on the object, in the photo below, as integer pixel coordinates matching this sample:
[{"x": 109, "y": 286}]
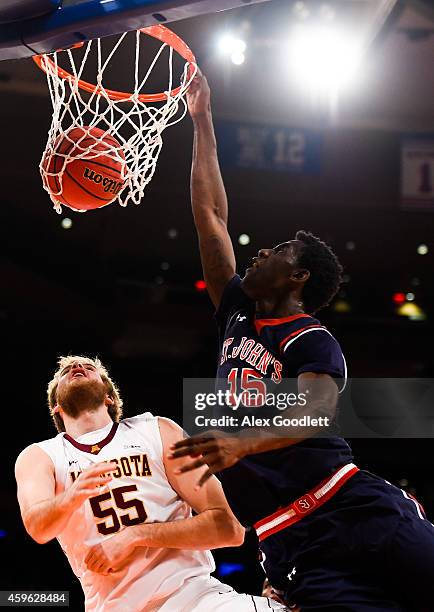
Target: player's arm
[
  {"x": 45, "y": 514},
  {"x": 218, "y": 450},
  {"x": 208, "y": 195},
  {"x": 214, "y": 522},
  {"x": 320, "y": 397},
  {"x": 214, "y": 525}
]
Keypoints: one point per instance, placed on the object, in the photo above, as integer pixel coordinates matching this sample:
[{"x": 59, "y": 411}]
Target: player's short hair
[
  {"x": 325, "y": 272},
  {"x": 114, "y": 410}
]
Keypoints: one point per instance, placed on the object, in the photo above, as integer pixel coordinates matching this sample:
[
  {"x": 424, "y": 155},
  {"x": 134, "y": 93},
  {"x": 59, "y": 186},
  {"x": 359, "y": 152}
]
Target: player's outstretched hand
[
  {"x": 111, "y": 554},
  {"x": 216, "y": 449},
  {"x": 198, "y": 96},
  {"x": 89, "y": 483},
  {"x": 268, "y": 591}
]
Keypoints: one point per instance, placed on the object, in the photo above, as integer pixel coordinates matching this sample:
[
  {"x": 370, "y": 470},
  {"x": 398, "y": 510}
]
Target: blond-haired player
[{"x": 120, "y": 511}]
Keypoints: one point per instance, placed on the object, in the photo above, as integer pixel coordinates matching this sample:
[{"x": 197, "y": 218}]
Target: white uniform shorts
[{"x": 207, "y": 594}]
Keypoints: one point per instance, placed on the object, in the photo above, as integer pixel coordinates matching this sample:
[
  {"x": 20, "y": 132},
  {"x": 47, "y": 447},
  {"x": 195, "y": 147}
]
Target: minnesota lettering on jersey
[
  {"x": 134, "y": 465},
  {"x": 255, "y": 354}
]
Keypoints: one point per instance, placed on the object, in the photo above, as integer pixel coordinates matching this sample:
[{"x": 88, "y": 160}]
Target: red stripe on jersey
[
  {"x": 296, "y": 333},
  {"x": 260, "y": 323},
  {"x": 421, "y": 508}
]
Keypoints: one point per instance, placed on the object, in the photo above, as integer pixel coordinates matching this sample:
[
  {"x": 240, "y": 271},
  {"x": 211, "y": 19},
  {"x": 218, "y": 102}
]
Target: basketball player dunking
[
  {"x": 333, "y": 537},
  {"x": 120, "y": 511}
]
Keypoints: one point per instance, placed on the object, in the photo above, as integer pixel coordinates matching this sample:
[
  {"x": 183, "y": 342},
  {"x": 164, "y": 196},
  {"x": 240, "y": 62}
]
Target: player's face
[
  {"x": 272, "y": 269},
  {"x": 80, "y": 388}
]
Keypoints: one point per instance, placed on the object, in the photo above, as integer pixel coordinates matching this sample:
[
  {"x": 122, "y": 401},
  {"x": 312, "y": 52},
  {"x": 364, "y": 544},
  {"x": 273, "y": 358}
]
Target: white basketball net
[{"x": 136, "y": 125}]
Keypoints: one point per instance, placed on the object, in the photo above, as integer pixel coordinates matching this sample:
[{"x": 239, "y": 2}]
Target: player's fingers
[
  {"x": 87, "y": 483},
  {"x": 194, "y": 85},
  {"x": 195, "y": 450},
  {"x": 202, "y": 480},
  {"x": 190, "y": 466},
  {"x": 86, "y": 493},
  {"x": 103, "y": 467},
  {"x": 91, "y": 564},
  {"x": 185, "y": 443},
  {"x": 98, "y": 567},
  {"x": 103, "y": 566},
  {"x": 90, "y": 555},
  {"x": 95, "y": 553},
  {"x": 212, "y": 460},
  {"x": 94, "y": 476},
  {"x": 216, "y": 462},
  {"x": 180, "y": 452},
  {"x": 188, "y": 442},
  {"x": 198, "y": 77},
  {"x": 97, "y": 478},
  {"x": 98, "y": 557}
]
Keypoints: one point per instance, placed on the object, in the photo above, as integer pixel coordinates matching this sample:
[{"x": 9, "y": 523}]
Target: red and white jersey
[{"x": 139, "y": 492}]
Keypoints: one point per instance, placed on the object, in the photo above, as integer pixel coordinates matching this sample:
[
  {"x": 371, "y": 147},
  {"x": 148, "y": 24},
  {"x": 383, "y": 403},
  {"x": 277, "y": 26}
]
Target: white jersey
[{"x": 139, "y": 492}]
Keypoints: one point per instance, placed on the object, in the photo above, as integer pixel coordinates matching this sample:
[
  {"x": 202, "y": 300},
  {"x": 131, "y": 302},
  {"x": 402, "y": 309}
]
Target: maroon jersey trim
[{"x": 95, "y": 448}]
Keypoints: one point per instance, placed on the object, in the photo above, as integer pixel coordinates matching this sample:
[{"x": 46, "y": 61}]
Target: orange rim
[{"x": 157, "y": 31}]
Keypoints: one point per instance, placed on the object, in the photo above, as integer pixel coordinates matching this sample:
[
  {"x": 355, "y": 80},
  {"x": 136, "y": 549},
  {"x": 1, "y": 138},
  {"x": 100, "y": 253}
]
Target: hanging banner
[
  {"x": 417, "y": 172},
  {"x": 280, "y": 149}
]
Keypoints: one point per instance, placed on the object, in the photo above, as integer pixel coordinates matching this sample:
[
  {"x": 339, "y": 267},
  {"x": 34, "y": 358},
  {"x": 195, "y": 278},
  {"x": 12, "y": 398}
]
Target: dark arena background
[{"x": 354, "y": 166}]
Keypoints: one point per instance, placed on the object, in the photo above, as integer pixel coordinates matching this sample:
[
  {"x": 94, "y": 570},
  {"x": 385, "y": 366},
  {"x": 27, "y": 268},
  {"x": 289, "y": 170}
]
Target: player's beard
[{"x": 81, "y": 396}]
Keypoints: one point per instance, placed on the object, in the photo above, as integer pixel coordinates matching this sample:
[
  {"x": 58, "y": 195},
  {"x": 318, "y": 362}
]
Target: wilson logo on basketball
[{"x": 109, "y": 185}]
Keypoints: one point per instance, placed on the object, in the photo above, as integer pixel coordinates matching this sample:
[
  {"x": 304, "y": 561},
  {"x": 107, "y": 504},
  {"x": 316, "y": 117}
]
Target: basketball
[{"x": 83, "y": 170}]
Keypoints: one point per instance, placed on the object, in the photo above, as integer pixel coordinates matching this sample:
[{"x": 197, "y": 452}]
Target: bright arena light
[
  {"x": 301, "y": 10},
  {"x": 238, "y": 58},
  {"x": 66, "y": 223},
  {"x": 232, "y": 46},
  {"x": 422, "y": 249},
  {"x": 327, "y": 12},
  {"x": 412, "y": 311},
  {"x": 323, "y": 58},
  {"x": 243, "y": 239}
]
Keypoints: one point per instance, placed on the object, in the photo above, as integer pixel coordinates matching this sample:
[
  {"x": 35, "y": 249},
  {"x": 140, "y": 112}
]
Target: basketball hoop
[{"x": 134, "y": 120}]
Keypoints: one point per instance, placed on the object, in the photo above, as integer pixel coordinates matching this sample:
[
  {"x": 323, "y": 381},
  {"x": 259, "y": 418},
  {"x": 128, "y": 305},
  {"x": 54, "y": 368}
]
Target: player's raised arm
[
  {"x": 44, "y": 513},
  {"x": 208, "y": 196}
]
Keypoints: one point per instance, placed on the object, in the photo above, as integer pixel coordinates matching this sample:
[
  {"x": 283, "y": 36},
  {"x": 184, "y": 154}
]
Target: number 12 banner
[
  {"x": 417, "y": 172},
  {"x": 280, "y": 149}
]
